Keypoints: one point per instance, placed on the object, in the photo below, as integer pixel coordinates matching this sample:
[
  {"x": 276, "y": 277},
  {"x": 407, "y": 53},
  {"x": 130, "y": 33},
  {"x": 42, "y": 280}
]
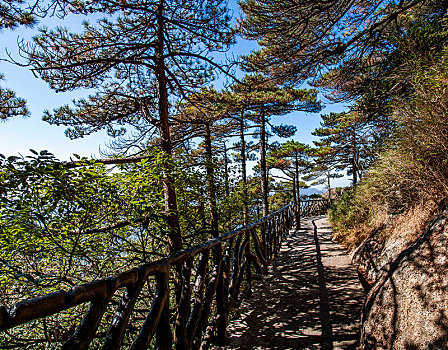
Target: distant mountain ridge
[{"x": 310, "y": 191}]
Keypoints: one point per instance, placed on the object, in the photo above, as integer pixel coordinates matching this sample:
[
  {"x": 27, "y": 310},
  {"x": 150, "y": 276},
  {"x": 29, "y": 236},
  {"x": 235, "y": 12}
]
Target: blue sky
[{"x": 20, "y": 134}]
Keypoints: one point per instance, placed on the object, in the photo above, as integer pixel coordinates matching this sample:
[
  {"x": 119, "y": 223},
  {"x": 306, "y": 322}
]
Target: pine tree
[
  {"x": 202, "y": 117},
  {"x": 238, "y": 111},
  {"x": 293, "y": 159},
  {"x": 141, "y": 59},
  {"x": 302, "y": 39},
  {"x": 11, "y": 105},
  {"x": 12, "y": 14},
  {"x": 266, "y": 99},
  {"x": 346, "y": 143},
  {"x": 321, "y": 174}
]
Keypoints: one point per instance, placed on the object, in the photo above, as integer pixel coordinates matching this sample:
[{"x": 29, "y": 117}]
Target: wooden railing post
[
  {"x": 183, "y": 311},
  {"x": 208, "y": 299},
  {"x": 222, "y": 296},
  {"x": 199, "y": 290},
  {"x": 158, "y": 317},
  {"x": 86, "y": 331},
  {"x": 248, "y": 287},
  {"x": 164, "y": 335},
  {"x": 265, "y": 237},
  {"x": 115, "y": 334},
  {"x": 221, "y": 308}
]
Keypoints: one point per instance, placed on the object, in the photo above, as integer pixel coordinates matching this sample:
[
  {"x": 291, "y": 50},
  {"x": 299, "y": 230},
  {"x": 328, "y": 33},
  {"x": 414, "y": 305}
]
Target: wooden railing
[
  {"x": 184, "y": 299},
  {"x": 314, "y": 207}
]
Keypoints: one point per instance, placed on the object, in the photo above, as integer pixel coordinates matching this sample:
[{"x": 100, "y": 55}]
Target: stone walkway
[{"x": 310, "y": 299}]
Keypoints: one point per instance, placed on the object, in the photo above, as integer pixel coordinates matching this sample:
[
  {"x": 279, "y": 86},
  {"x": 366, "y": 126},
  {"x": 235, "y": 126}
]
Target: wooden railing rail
[
  {"x": 183, "y": 299},
  {"x": 313, "y": 207}
]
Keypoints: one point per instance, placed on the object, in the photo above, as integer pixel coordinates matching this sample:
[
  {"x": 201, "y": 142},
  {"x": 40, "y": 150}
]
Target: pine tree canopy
[
  {"x": 126, "y": 56},
  {"x": 302, "y": 39}
]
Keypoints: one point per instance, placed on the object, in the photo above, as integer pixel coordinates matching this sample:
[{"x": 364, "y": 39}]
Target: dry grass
[{"x": 409, "y": 225}]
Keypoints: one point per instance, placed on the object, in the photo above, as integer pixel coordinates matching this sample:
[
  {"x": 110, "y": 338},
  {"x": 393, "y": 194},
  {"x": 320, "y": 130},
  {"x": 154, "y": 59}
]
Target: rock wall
[{"x": 407, "y": 305}]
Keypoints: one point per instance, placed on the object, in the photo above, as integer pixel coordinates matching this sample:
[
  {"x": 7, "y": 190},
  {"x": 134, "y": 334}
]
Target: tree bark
[
  {"x": 226, "y": 172},
  {"x": 264, "y": 178},
  {"x": 243, "y": 170},
  {"x": 174, "y": 235},
  {"x": 298, "y": 213},
  {"x": 294, "y": 198},
  {"x": 211, "y": 181},
  {"x": 228, "y": 218},
  {"x": 354, "y": 162},
  {"x": 296, "y": 202}
]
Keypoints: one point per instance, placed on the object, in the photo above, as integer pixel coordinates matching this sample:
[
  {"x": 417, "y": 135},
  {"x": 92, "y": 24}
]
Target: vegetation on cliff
[{"x": 411, "y": 170}]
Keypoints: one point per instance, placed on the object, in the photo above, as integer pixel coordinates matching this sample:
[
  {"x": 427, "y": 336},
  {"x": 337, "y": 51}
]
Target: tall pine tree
[
  {"x": 345, "y": 143},
  {"x": 140, "y": 59},
  {"x": 266, "y": 99}
]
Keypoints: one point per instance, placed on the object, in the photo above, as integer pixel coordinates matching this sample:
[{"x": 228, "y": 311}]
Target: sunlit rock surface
[{"x": 407, "y": 307}]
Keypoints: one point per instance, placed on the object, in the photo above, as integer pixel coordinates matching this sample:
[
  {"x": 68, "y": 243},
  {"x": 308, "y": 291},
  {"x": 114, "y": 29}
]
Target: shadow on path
[{"x": 310, "y": 299}]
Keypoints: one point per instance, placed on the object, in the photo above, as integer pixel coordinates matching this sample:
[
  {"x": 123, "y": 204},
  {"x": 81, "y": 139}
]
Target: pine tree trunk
[
  {"x": 228, "y": 219},
  {"x": 296, "y": 203},
  {"x": 243, "y": 170},
  {"x": 354, "y": 155},
  {"x": 174, "y": 235},
  {"x": 226, "y": 172},
  {"x": 264, "y": 178},
  {"x": 211, "y": 181},
  {"x": 297, "y": 180}
]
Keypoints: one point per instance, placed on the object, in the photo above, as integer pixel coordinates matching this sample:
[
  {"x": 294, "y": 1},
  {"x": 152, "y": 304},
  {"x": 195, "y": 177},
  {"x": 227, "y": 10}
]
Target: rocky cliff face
[{"x": 407, "y": 304}]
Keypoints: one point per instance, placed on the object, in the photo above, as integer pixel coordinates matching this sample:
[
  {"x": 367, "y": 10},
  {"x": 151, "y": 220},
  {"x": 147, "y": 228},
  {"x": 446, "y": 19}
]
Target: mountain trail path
[{"x": 310, "y": 298}]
